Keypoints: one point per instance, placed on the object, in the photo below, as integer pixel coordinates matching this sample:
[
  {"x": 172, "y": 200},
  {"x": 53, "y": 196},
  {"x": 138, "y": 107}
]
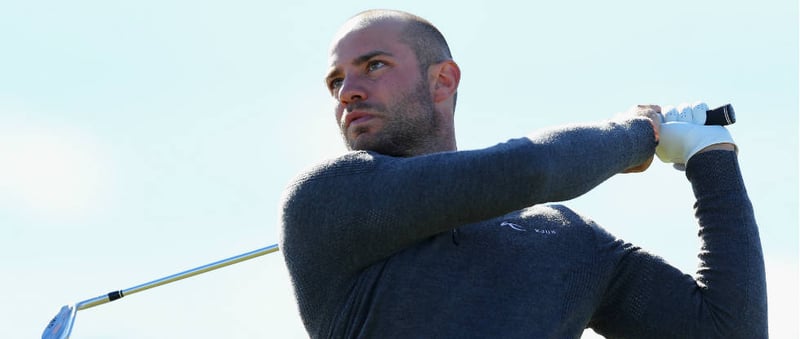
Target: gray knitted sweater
[{"x": 461, "y": 245}]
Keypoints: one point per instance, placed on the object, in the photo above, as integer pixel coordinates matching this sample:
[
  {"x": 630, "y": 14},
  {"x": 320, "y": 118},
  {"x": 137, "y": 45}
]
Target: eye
[
  {"x": 335, "y": 83},
  {"x": 375, "y": 65}
]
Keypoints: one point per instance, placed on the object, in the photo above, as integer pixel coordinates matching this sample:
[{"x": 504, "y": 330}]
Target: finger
[
  {"x": 699, "y": 112},
  {"x": 650, "y": 111},
  {"x": 641, "y": 167},
  {"x": 670, "y": 113},
  {"x": 655, "y": 108},
  {"x": 684, "y": 112}
]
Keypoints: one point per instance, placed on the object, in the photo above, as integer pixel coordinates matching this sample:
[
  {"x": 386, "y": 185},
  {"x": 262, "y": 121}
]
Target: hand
[
  {"x": 682, "y": 136},
  {"x": 652, "y": 112}
]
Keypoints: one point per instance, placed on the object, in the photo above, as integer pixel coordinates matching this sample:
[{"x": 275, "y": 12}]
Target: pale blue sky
[{"x": 142, "y": 138}]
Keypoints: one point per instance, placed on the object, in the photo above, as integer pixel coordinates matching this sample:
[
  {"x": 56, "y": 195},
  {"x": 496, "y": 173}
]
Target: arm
[
  {"x": 364, "y": 207},
  {"x": 727, "y": 299}
]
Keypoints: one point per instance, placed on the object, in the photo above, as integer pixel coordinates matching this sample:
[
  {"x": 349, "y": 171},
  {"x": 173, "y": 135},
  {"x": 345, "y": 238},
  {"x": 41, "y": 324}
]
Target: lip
[{"x": 357, "y": 118}]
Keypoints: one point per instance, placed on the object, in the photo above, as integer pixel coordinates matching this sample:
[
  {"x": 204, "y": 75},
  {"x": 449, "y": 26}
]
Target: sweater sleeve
[
  {"x": 647, "y": 298},
  {"x": 363, "y": 207}
]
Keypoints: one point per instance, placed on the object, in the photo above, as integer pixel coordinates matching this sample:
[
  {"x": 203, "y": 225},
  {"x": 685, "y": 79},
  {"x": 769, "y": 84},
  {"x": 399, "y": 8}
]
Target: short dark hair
[{"x": 427, "y": 42}]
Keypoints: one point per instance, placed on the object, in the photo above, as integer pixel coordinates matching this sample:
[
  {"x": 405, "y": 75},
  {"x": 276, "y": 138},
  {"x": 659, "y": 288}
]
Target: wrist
[{"x": 719, "y": 147}]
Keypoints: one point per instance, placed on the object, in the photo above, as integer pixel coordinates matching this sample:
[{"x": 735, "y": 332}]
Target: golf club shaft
[{"x": 175, "y": 277}]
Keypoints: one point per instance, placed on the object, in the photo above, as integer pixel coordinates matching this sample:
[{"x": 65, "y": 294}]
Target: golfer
[{"x": 407, "y": 237}]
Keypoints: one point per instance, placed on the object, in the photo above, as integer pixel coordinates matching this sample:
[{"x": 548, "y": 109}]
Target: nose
[{"x": 352, "y": 90}]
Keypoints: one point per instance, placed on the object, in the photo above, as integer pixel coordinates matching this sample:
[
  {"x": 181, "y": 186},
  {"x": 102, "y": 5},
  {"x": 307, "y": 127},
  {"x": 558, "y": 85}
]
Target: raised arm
[
  {"x": 369, "y": 206},
  {"x": 727, "y": 299},
  {"x": 647, "y": 298}
]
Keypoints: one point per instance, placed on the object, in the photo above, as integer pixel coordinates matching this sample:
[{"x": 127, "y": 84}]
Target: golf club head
[{"x": 61, "y": 325}]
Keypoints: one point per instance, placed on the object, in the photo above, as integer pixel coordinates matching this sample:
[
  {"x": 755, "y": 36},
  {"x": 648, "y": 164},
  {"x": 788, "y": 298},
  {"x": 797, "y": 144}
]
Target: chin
[{"x": 362, "y": 142}]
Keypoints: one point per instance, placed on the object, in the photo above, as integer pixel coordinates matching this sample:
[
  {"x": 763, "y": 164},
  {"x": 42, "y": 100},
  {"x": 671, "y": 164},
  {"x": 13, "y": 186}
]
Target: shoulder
[
  {"x": 324, "y": 178},
  {"x": 348, "y": 164},
  {"x": 351, "y": 162},
  {"x": 317, "y": 193}
]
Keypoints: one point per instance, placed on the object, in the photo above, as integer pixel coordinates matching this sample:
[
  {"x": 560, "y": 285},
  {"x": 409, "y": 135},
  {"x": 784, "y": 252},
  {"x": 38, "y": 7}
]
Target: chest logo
[
  {"x": 513, "y": 226},
  {"x": 520, "y": 228}
]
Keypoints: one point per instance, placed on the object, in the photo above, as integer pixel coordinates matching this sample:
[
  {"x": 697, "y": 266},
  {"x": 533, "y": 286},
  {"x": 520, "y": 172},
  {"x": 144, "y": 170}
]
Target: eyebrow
[{"x": 360, "y": 60}]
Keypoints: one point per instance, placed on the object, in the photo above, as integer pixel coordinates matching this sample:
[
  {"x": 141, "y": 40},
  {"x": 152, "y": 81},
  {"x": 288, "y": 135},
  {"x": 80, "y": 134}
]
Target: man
[{"x": 407, "y": 237}]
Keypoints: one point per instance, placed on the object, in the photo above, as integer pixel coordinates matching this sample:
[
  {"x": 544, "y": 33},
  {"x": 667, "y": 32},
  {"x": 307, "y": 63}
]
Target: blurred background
[{"x": 142, "y": 138}]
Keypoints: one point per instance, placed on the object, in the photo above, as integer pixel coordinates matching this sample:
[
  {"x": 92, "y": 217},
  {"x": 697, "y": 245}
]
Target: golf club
[{"x": 61, "y": 325}]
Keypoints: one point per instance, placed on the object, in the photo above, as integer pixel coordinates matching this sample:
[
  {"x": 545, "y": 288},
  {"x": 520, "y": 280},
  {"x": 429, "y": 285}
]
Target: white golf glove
[{"x": 683, "y": 133}]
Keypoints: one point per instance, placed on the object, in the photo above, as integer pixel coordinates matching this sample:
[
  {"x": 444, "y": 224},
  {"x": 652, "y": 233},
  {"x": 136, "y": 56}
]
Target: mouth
[{"x": 356, "y": 118}]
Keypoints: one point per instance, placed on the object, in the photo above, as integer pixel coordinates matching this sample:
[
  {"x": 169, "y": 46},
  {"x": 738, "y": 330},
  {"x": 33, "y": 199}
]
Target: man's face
[{"x": 383, "y": 101}]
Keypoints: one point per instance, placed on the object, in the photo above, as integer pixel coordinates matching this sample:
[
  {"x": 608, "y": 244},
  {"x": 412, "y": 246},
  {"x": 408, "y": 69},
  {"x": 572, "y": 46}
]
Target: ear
[{"x": 444, "y": 80}]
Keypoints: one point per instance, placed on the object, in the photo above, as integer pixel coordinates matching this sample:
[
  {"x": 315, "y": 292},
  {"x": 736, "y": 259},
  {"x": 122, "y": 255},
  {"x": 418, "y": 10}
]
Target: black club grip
[{"x": 723, "y": 115}]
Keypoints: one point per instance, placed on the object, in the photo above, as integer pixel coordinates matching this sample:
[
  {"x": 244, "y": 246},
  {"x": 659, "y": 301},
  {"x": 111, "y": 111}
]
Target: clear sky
[{"x": 142, "y": 138}]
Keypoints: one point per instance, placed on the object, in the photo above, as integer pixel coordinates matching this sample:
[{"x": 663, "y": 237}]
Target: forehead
[{"x": 354, "y": 41}]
